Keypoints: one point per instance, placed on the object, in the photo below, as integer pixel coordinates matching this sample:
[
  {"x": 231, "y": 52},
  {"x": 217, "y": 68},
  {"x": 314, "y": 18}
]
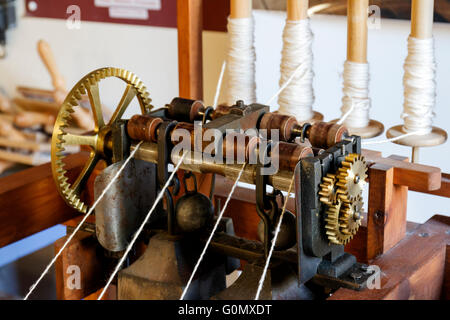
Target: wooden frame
[{"x": 414, "y": 259}]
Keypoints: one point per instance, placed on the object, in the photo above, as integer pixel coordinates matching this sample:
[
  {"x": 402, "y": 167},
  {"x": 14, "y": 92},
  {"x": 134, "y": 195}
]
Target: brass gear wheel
[
  {"x": 351, "y": 215},
  {"x": 333, "y": 228},
  {"x": 328, "y": 189},
  {"x": 98, "y": 139},
  {"x": 352, "y": 176}
]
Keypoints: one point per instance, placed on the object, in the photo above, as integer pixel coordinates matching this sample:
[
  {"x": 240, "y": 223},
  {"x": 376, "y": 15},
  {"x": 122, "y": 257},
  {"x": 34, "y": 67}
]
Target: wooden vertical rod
[
  {"x": 422, "y": 13},
  {"x": 297, "y": 10},
  {"x": 190, "y": 27},
  {"x": 240, "y": 9},
  {"x": 357, "y": 15}
]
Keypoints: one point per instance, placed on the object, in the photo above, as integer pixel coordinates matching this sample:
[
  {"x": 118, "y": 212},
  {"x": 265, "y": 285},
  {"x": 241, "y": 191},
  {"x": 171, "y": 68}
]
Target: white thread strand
[
  {"x": 83, "y": 220},
  {"x": 274, "y": 240},
  {"x": 297, "y": 99},
  {"x": 284, "y": 85},
  {"x": 219, "y": 85},
  {"x": 368, "y": 143},
  {"x": 419, "y": 86},
  {"x": 355, "y": 102},
  {"x": 241, "y": 61},
  {"x": 212, "y": 232},
  {"x": 138, "y": 232}
]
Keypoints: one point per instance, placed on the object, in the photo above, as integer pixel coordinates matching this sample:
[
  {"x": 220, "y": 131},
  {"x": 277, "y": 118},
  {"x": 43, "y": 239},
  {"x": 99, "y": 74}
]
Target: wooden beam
[
  {"x": 417, "y": 177},
  {"x": 190, "y": 69},
  {"x": 414, "y": 269},
  {"x": 386, "y": 217},
  {"x": 29, "y": 201}
]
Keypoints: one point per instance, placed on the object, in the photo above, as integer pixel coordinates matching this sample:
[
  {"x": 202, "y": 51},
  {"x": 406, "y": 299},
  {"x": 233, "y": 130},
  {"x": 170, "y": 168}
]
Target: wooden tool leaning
[{"x": 26, "y": 121}]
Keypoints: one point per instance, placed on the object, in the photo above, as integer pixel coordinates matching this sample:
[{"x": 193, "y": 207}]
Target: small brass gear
[
  {"x": 333, "y": 228},
  {"x": 328, "y": 189},
  {"x": 352, "y": 176},
  {"x": 98, "y": 140},
  {"x": 351, "y": 215}
]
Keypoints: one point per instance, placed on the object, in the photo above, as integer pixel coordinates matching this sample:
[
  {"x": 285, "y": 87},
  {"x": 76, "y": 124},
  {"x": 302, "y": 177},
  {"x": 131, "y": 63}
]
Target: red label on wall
[{"x": 161, "y": 13}]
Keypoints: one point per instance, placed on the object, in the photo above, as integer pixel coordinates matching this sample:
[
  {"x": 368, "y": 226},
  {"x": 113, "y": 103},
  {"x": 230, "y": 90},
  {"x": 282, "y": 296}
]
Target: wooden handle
[
  {"x": 422, "y": 13},
  {"x": 5, "y": 104},
  {"x": 49, "y": 60},
  {"x": 357, "y": 15},
  {"x": 297, "y": 10},
  {"x": 37, "y": 105},
  {"x": 28, "y": 119},
  {"x": 8, "y": 130},
  {"x": 240, "y": 9},
  {"x": 5, "y": 165}
]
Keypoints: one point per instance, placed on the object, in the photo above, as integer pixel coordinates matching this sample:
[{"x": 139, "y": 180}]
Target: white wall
[{"x": 152, "y": 54}]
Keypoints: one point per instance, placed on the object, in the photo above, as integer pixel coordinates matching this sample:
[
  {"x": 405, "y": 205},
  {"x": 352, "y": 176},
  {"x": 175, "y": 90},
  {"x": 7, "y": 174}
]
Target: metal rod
[
  {"x": 415, "y": 155},
  {"x": 196, "y": 163}
]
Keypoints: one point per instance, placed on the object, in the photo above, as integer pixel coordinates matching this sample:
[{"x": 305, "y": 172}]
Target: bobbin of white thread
[
  {"x": 241, "y": 61},
  {"x": 356, "y": 102},
  {"x": 297, "y": 98},
  {"x": 419, "y": 85}
]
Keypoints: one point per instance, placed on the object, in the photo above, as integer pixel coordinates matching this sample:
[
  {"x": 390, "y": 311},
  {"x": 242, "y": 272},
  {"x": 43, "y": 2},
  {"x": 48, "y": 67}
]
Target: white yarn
[
  {"x": 219, "y": 85},
  {"x": 219, "y": 218},
  {"x": 138, "y": 232},
  {"x": 419, "y": 86},
  {"x": 297, "y": 98},
  {"x": 82, "y": 221},
  {"x": 356, "y": 101},
  {"x": 241, "y": 61}
]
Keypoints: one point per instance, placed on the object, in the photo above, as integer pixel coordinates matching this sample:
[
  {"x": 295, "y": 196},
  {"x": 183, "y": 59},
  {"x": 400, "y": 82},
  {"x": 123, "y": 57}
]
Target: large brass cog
[
  {"x": 98, "y": 139},
  {"x": 352, "y": 176}
]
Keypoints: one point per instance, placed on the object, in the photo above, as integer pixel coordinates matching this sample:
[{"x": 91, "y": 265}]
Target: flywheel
[{"x": 95, "y": 140}]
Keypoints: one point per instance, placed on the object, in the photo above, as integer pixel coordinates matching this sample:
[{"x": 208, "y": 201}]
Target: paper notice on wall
[
  {"x": 128, "y": 13},
  {"x": 129, "y": 9}
]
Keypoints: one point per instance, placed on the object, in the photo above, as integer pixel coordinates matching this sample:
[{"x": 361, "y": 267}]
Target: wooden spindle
[
  {"x": 297, "y": 10},
  {"x": 422, "y": 13},
  {"x": 240, "y": 9},
  {"x": 357, "y": 15}
]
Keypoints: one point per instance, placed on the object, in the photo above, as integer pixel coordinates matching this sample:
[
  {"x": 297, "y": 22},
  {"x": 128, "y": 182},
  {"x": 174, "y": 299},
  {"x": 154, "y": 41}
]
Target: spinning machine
[{"x": 161, "y": 214}]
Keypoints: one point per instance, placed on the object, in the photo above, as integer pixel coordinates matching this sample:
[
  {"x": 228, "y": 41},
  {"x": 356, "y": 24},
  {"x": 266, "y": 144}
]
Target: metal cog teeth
[{"x": 65, "y": 115}]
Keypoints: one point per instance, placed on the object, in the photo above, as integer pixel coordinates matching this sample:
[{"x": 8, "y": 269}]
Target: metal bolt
[
  {"x": 423, "y": 234},
  {"x": 364, "y": 268},
  {"x": 355, "y": 275}
]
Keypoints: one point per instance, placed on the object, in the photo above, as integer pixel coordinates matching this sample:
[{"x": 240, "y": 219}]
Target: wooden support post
[
  {"x": 386, "y": 218},
  {"x": 297, "y": 10},
  {"x": 190, "y": 27},
  {"x": 357, "y": 16},
  {"x": 83, "y": 252}
]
